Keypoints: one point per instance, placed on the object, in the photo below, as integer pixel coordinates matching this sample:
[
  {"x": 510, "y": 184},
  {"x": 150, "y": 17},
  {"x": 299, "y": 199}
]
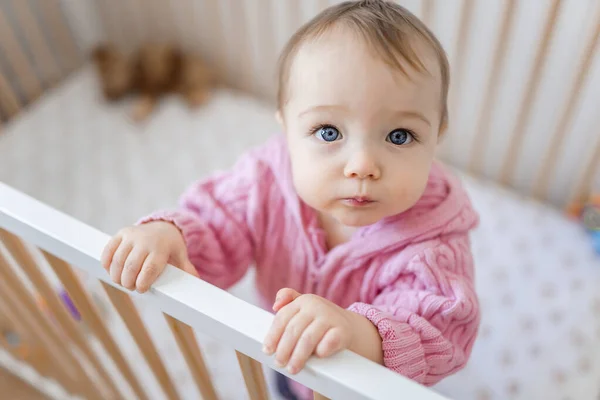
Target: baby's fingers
[
  {"x": 279, "y": 325},
  {"x": 284, "y": 297},
  {"x": 132, "y": 267},
  {"x": 153, "y": 266},
  {"x": 332, "y": 342},
  {"x": 306, "y": 345},
  {"x": 294, "y": 329},
  {"x": 109, "y": 251},
  {"x": 118, "y": 261}
]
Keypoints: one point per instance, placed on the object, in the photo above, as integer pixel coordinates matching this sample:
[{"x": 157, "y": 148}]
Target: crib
[{"x": 523, "y": 137}]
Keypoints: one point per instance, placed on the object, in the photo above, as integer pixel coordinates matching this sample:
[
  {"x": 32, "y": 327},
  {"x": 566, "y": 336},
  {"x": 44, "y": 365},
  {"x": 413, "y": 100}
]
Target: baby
[{"x": 358, "y": 235}]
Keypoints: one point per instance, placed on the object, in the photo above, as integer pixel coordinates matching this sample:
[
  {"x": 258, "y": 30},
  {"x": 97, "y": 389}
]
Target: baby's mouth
[{"x": 358, "y": 201}]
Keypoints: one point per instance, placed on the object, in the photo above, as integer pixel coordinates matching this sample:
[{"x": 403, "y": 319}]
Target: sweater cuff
[
  {"x": 401, "y": 345},
  {"x": 186, "y": 223}
]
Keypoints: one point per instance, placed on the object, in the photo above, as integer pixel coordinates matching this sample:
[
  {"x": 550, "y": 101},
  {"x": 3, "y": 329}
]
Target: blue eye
[
  {"x": 400, "y": 137},
  {"x": 328, "y": 133}
]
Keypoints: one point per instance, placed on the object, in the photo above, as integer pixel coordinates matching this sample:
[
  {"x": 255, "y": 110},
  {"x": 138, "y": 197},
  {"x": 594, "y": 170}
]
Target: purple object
[{"x": 67, "y": 300}]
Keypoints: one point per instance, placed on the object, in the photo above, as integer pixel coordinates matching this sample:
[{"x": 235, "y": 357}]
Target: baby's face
[{"x": 361, "y": 136}]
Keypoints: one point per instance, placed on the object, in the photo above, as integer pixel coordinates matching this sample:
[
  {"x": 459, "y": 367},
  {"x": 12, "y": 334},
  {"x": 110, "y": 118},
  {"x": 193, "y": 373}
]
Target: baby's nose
[{"x": 362, "y": 165}]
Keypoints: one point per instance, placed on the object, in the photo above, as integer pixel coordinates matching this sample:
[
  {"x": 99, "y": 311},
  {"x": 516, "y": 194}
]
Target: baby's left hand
[{"x": 306, "y": 324}]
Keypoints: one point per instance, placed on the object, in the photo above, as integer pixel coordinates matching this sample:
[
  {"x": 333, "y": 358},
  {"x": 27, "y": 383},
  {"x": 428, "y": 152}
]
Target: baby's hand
[
  {"x": 136, "y": 256},
  {"x": 305, "y": 325}
]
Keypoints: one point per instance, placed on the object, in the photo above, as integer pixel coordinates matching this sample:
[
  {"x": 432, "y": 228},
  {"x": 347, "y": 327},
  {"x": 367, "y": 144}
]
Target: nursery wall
[
  {"x": 525, "y": 78},
  {"x": 38, "y": 48}
]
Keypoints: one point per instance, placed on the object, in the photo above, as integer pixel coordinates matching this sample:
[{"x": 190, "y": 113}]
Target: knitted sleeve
[
  {"x": 220, "y": 219},
  {"x": 427, "y": 312}
]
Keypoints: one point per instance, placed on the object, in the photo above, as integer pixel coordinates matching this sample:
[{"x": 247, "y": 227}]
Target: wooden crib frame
[
  {"x": 60, "y": 350},
  {"x": 41, "y": 44}
]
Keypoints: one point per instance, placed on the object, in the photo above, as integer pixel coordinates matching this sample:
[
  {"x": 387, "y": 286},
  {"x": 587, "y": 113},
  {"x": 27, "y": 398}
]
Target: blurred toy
[
  {"x": 100, "y": 305},
  {"x": 115, "y": 71},
  {"x": 64, "y": 296},
  {"x": 154, "y": 71},
  {"x": 589, "y": 214}
]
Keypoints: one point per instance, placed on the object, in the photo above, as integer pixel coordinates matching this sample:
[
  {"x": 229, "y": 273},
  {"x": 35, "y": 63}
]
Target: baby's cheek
[
  {"x": 306, "y": 184},
  {"x": 413, "y": 184},
  {"x": 413, "y": 191},
  {"x": 312, "y": 178}
]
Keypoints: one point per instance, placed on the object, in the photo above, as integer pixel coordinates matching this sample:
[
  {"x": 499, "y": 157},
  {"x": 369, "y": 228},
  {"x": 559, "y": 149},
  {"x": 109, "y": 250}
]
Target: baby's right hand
[{"x": 136, "y": 256}]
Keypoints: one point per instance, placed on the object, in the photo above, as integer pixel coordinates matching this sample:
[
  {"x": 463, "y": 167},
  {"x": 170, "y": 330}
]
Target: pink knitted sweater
[{"x": 411, "y": 274}]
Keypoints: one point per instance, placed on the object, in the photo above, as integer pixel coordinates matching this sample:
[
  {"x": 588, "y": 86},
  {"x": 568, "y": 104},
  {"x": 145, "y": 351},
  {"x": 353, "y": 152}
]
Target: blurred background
[
  {"x": 82, "y": 132},
  {"x": 497, "y": 48}
]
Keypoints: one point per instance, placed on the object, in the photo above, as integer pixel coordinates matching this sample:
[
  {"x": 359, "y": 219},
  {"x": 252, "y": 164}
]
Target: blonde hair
[{"x": 388, "y": 27}]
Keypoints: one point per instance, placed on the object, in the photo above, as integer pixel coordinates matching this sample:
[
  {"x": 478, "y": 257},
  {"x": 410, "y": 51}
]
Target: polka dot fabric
[
  {"x": 538, "y": 279},
  {"x": 537, "y": 276}
]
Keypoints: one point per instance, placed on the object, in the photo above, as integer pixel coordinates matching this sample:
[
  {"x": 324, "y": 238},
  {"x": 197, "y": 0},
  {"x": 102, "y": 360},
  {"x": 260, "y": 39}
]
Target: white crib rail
[{"x": 204, "y": 307}]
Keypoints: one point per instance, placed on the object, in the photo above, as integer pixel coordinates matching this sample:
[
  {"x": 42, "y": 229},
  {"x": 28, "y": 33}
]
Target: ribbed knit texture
[{"x": 411, "y": 274}]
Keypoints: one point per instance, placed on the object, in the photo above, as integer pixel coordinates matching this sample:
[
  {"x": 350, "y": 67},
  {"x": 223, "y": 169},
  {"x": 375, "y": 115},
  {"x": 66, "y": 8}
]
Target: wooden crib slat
[
  {"x": 131, "y": 317},
  {"x": 15, "y": 56},
  {"x": 39, "y": 358},
  {"x": 253, "y": 377},
  {"x": 184, "y": 17},
  {"x": 25, "y": 315},
  {"x": 4, "y": 327},
  {"x": 165, "y": 18},
  {"x": 531, "y": 89},
  {"x": 4, "y": 323},
  {"x": 40, "y": 49},
  {"x": 112, "y": 26},
  {"x": 243, "y": 61},
  {"x": 9, "y": 102},
  {"x": 427, "y": 12},
  {"x": 540, "y": 187},
  {"x": 186, "y": 340},
  {"x": 60, "y": 33},
  {"x": 458, "y": 65},
  {"x": 322, "y": 4},
  {"x": 584, "y": 184},
  {"x": 28, "y": 350},
  {"x": 294, "y": 14},
  {"x": 106, "y": 22},
  {"x": 91, "y": 316},
  {"x": 267, "y": 45},
  {"x": 24, "y": 311},
  {"x": 135, "y": 29},
  {"x": 464, "y": 26},
  {"x": 27, "y": 263},
  {"x": 318, "y": 396},
  {"x": 214, "y": 21},
  {"x": 105, "y": 25},
  {"x": 481, "y": 136},
  {"x": 144, "y": 20},
  {"x": 118, "y": 22},
  {"x": 156, "y": 27}
]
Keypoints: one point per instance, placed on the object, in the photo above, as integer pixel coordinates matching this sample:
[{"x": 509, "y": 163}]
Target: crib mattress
[{"x": 537, "y": 274}]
